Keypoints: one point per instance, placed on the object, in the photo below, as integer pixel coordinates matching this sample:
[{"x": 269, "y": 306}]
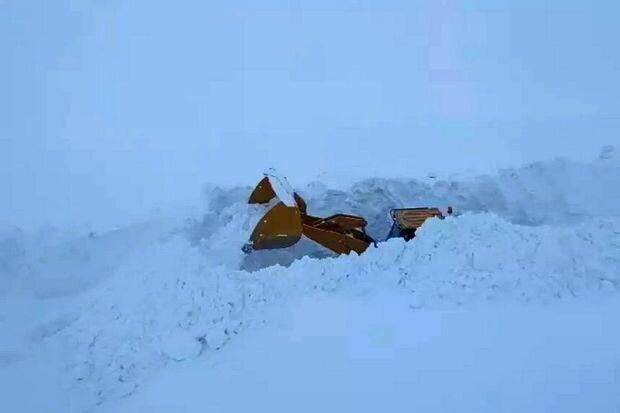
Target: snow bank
[
  {"x": 168, "y": 304},
  {"x": 114, "y": 307},
  {"x": 374, "y": 354},
  {"x": 57, "y": 262},
  {"x": 559, "y": 192}
]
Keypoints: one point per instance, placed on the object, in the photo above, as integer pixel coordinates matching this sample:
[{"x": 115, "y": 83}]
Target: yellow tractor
[{"x": 287, "y": 221}]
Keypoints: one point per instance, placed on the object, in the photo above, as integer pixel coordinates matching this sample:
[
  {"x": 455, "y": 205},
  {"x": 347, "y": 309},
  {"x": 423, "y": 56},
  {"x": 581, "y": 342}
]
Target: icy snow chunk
[{"x": 282, "y": 188}]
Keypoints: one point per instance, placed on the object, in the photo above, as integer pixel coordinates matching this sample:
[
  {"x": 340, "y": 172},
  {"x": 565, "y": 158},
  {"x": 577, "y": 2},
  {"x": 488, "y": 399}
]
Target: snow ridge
[
  {"x": 120, "y": 305},
  {"x": 177, "y": 307},
  {"x": 558, "y": 192}
]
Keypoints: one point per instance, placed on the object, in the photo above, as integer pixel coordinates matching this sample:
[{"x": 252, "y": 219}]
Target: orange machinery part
[{"x": 283, "y": 226}]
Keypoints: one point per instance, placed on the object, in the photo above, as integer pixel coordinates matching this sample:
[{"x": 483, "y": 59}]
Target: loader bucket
[
  {"x": 263, "y": 193},
  {"x": 280, "y": 228},
  {"x": 286, "y": 223}
]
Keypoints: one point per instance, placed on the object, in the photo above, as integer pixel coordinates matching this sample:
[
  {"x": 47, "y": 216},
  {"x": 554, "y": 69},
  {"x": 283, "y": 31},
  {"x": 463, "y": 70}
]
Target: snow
[
  {"x": 513, "y": 295},
  {"x": 464, "y": 260},
  {"x": 374, "y": 353},
  {"x": 281, "y": 187},
  {"x": 558, "y": 192},
  {"x": 123, "y": 284}
]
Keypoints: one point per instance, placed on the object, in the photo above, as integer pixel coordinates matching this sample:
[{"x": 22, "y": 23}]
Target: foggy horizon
[{"x": 113, "y": 108}]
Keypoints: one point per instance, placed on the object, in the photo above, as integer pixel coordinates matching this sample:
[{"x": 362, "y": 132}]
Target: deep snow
[
  {"x": 373, "y": 353},
  {"x": 94, "y": 316}
]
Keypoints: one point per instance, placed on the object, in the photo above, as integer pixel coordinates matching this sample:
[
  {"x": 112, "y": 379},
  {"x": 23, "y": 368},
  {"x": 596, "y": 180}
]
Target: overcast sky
[{"x": 109, "y": 108}]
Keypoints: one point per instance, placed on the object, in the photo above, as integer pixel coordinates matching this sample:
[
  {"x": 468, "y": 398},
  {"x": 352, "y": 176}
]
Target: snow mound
[
  {"x": 168, "y": 304},
  {"x": 57, "y": 263},
  {"x": 109, "y": 309},
  {"x": 558, "y": 192}
]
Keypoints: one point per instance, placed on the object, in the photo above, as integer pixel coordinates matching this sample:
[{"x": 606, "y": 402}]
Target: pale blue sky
[{"x": 113, "y": 107}]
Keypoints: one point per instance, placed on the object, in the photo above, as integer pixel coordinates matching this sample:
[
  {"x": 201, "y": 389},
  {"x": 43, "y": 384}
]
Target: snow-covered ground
[
  {"x": 372, "y": 353},
  {"x": 508, "y": 306}
]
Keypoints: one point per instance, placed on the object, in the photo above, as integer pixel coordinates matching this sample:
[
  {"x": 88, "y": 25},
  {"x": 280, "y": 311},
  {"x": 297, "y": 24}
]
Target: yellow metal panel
[{"x": 280, "y": 228}]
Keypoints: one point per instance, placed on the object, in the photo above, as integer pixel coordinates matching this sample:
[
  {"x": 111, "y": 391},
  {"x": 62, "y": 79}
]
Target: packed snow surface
[{"x": 108, "y": 317}]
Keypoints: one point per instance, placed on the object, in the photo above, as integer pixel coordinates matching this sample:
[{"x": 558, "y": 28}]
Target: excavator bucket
[
  {"x": 286, "y": 222},
  {"x": 263, "y": 193},
  {"x": 281, "y": 227}
]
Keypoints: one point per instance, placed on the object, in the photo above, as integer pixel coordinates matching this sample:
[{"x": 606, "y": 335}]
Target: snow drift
[
  {"x": 370, "y": 353},
  {"x": 559, "y": 192},
  {"x": 169, "y": 305},
  {"x": 113, "y": 308}
]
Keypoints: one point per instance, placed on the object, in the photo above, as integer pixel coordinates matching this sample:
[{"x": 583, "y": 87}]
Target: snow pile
[
  {"x": 109, "y": 309},
  {"x": 481, "y": 257},
  {"x": 55, "y": 263},
  {"x": 168, "y": 303},
  {"x": 373, "y": 353},
  {"x": 559, "y": 192}
]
